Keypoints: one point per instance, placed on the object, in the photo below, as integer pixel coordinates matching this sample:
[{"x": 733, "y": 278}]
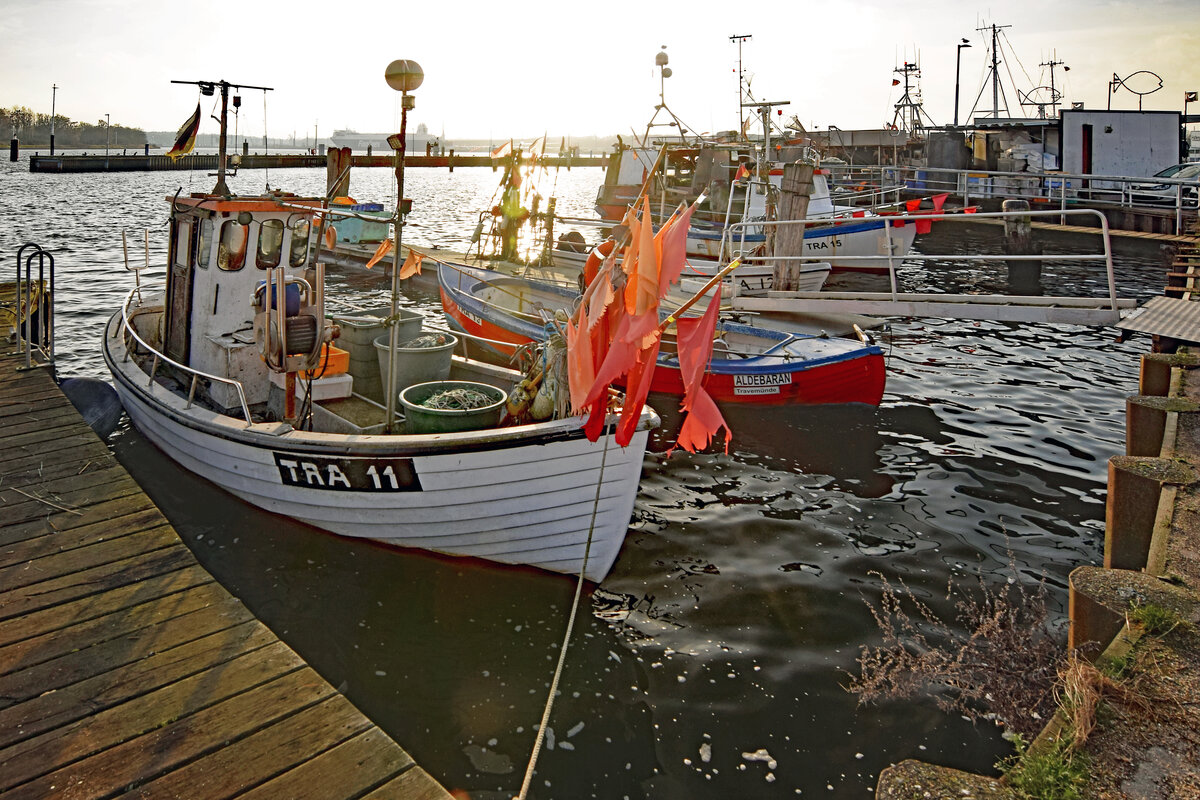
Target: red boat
[{"x": 749, "y": 364}]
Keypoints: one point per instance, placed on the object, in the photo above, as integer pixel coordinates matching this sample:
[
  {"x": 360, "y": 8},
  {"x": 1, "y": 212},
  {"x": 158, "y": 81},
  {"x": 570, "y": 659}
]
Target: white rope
[{"x": 562, "y": 655}]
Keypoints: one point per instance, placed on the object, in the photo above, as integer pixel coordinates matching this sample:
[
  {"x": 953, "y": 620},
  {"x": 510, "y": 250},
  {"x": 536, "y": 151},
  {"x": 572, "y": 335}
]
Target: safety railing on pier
[
  {"x": 1105, "y": 310},
  {"x": 1055, "y": 189},
  {"x": 33, "y": 306}
]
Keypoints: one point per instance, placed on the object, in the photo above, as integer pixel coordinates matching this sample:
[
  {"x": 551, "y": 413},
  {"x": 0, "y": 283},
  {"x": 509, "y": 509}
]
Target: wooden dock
[
  {"x": 125, "y": 668},
  {"x": 137, "y": 162}
]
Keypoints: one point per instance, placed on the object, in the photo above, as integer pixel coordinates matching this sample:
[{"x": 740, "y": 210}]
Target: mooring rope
[{"x": 562, "y": 654}]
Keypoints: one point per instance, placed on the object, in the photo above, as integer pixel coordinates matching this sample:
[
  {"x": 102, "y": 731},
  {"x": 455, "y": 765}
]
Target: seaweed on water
[{"x": 461, "y": 399}]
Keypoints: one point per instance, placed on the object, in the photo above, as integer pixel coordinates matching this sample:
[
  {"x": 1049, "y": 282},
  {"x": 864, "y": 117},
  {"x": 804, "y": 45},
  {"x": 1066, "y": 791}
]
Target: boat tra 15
[{"x": 227, "y": 370}]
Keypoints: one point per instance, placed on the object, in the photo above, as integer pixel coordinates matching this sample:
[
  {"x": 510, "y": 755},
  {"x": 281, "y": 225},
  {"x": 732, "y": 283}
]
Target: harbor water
[{"x": 712, "y": 661}]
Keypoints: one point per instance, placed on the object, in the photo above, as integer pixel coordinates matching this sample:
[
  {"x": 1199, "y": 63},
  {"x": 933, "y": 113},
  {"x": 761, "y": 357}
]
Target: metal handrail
[
  {"x": 1053, "y": 186},
  {"x": 912, "y": 218},
  {"x": 127, "y": 328},
  {"x": 24, "y": 300}
]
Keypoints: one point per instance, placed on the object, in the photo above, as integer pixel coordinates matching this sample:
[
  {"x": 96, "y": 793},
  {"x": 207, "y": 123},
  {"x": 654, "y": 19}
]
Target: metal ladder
[{"x": 34, "y": 307}]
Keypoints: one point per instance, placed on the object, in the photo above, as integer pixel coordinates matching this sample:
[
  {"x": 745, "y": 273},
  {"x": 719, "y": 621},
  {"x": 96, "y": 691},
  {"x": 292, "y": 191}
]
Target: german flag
[{"x": 185, "y": 140}]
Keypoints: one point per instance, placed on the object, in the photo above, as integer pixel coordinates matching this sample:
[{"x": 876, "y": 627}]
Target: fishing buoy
[
  {"x": 96, "y": 401},
  {"x": 596, "y": 258}
]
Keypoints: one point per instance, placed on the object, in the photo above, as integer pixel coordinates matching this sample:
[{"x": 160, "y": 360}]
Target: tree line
[{"x": 33, "y": 130}]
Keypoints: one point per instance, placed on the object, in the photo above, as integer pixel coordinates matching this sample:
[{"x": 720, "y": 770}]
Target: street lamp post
[
  {"x": 404, "y": 76},
  {"x": 957, "y": 66},
  {"x": 53, "y": 99}
]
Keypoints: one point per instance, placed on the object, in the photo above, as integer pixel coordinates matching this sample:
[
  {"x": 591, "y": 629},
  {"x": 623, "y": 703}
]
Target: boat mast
[
  {"x": 208, "y": 89},
  {"x": 741, "y": 77},
  {"x": 1055, "y": 95},
  {"x": 995, "y": 29}
]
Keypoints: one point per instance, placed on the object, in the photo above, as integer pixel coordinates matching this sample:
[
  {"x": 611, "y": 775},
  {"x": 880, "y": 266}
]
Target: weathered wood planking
[{"x": 126, "y": 670}]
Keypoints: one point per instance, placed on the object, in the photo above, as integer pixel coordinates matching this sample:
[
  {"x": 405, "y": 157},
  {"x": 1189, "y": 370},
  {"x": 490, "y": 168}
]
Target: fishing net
[
  {"x": 459, "y": 399},
  {"x": 426, "y": 340}
]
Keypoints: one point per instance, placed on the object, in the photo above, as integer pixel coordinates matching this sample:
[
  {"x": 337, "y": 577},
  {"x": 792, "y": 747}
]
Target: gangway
[{"x": 1106, "y": 310}]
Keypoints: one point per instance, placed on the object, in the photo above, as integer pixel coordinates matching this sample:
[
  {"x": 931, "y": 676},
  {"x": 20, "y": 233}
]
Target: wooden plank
[
  {"x": 109, "y": 689},
  {"x": 93, "y": 580},
  {"x": 96, "y": 513},
  {"x": 59, "y": 419},
  {"x": 34, "y": 638},
  {"x": 25, "y": 467},
  {"x": 40, "y": 755},
  {"x": 161, "y": 630},
  {"x": 22, "y": 505},
  {"x": 84, "y": 536},
  {"x": 360, "y": 764},
  {"x": 68, "y": 563},
  {"x": 261, "y": 756},
  {"x": 176, "y": 740},
  {"x": 415, "y": 784}
]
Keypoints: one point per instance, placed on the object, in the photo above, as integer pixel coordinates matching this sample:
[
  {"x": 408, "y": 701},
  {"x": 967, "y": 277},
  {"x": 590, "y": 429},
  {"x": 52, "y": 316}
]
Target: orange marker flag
[
  {"x": 384, "y": 248},
  {"x": 672, "y": 246},
  {"x": 637, "y": 387},
  {"x": 581, "y": 366},
  {"x": 646, "y": 286},
  {"x": 695, "y": 343},
  {"x": 412, "y": 264}
]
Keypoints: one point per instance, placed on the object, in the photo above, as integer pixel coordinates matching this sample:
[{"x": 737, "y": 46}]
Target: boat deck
[{"x": 125, "y": 668}]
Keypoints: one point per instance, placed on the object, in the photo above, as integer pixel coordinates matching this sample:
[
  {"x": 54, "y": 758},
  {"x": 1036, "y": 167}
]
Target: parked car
[{"x": 1158, "y": 194}]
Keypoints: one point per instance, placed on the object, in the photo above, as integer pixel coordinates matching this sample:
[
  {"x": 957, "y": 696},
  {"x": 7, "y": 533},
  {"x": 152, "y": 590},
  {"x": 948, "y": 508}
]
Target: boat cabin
[{"x": 221, "y": 257}]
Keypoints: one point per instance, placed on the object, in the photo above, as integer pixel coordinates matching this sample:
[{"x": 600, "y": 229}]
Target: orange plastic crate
[{"x": 334, "y": 361}]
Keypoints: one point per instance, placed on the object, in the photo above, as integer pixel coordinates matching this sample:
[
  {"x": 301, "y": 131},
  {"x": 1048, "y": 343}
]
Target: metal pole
[
  {"x": 54, "y": 94},
  {"x": 394, "y": 330},
  {"x": 957, "y": 67},
  {"x": 107, "y": 137},
  {"x": 221, "y": 188}
]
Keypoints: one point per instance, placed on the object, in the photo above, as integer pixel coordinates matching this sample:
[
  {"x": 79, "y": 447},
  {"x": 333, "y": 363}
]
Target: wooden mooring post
[
  {"x": 795, "y": 189},
  {"x": 1024, "y": 275}
]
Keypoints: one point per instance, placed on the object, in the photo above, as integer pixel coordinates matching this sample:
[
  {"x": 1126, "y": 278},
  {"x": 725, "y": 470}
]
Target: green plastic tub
[{"x": 445, "y": 420}]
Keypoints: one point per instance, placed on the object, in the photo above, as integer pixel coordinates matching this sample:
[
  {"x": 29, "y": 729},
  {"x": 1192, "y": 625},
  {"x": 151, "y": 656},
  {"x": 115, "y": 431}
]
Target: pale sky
[{"x": 501, "y": 69}]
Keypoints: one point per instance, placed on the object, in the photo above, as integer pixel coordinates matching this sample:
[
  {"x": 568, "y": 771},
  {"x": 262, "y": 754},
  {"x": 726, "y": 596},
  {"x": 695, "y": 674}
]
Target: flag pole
[{"x": 713, "y": 281}]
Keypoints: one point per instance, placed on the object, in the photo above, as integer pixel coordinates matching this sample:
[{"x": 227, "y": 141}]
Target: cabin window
[
  {"x": 183, "y": 242},
  {"x": 204, "y": 243},
  {"x": 231, "y": 252},
  {"x": 270, "y": 243},
  {"x": 298, "y": 252}
]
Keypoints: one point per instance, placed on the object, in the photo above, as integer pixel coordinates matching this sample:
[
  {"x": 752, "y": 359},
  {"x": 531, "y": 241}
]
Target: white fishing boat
[
  {"x": 238, "y": 389},
  {"x": 847, "y": 237}
]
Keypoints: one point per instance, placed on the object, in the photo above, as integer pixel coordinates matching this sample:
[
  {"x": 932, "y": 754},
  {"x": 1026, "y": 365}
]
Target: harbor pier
[
  {"x": 113, "y": 162},
  {"x": 125, "y": 668}
]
